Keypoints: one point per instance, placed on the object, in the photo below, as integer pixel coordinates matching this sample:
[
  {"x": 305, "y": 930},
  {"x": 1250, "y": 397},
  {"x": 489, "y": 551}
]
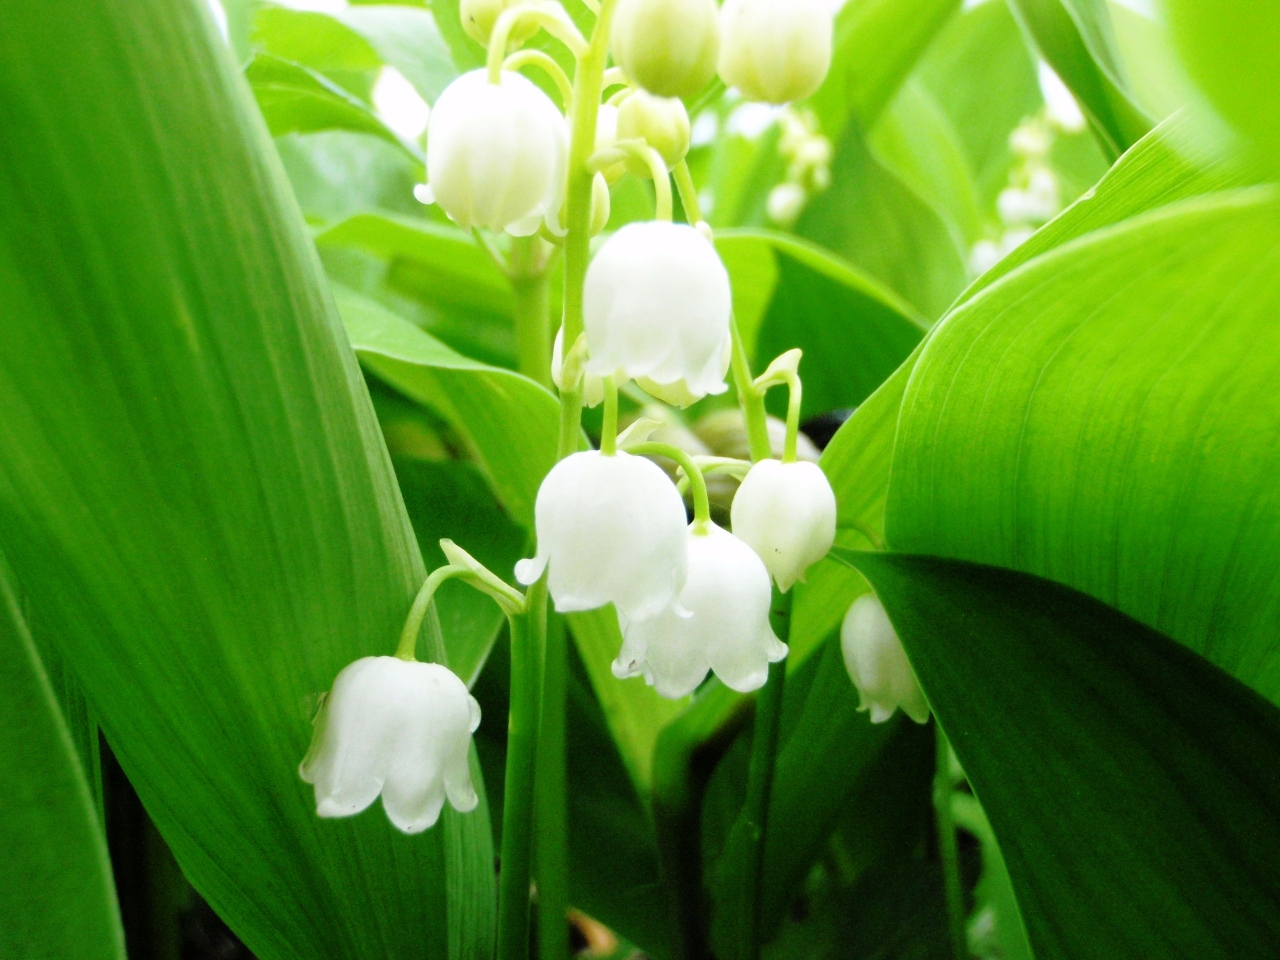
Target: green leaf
[
  {"x": 1077, "y": 39},
  {"x": 915, "y": 139},
  {"x": 881, "y": 226},
  {"x": 295, "y": 99},
  {"x": 57, "y": 898},
  {"x": 452, "y": 499},
  {"x": 358, "y": 39},
  {"x": 336, "y": 174},
  {"x": 982, "y": 78},
  {"x": 193, "y": 488},
  {"x": 1104, "y": 417},
  {"x": 877, "y": 43},
  {"x": 1230, "y": 51},
  {"x": 1161, "y": 168},
  {"x": 788, "y": 293},
  {"x": 1131, "y": 783},
  {"x": 510, "y": 422}
]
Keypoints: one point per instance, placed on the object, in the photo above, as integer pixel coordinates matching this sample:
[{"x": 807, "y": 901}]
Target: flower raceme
[
  {"x": 397, "y": 728},
  {"x": 611, "y": 529},
  {"x": 878, "y": 664},
  {"x": 496, "y": 153},
  {"x": 775, "y": 51},
  {"x": 657, "y": 307},
  {"x": 720, "y": 622},
  {"x": 786, "y": 512}
]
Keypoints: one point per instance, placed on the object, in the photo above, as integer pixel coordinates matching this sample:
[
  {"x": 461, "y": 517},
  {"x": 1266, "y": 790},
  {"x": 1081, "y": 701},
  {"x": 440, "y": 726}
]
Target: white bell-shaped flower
[
  {"x": 786, "y": 512},
  {"x": 878, "y": 664},
  {"x": 720, "y": 623},
  {"x": 496, "y": 153},
  {"x": 667, "y": 47},
  {"x": 775, "y": 51},
  {"x": 397, "y": 728},
  {"x": 611, "y": 529},
  {"x": 657, "y": 306}
]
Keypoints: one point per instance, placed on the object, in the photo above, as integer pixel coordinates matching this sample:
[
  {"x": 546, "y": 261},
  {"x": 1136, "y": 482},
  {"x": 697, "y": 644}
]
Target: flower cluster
[
  {"x": 654, "y": 307},
  {"x": 808, "y": 156}
]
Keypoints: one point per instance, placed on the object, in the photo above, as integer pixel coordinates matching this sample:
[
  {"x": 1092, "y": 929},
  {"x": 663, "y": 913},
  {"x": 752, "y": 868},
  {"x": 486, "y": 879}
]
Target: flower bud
[
  {"x": 592, "y": 386},
  {"x": 775, "y": 51},
  {"x": 668, "y": 47},
  {"x": 786, "y": 512},
  {"x": 496, "y": 153},
  {"x": 657, "y": 305},
  {"x": 399, "y": 728},
  {"x": 720, "y": 623},
  {"x": 611, "y": 529},
  {"x": 878, "y": 664},
  {"x": 662, "y": 122},
  {"x": 601, "y": 207},
  {"x": 479, "y": 16}
]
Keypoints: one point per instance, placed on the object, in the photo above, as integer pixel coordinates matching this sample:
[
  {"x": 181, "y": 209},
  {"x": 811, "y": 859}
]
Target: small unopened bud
[
  {"x": 479, "y": 16},
  {"x": 786, "y": 202},
  {"x": 662, "y": 122},
  {"x": 786, "y": 512},
  {"x": 601, "y": 207},
  {"x": 668, "y": 47},
  {"x": 775, "y": 51},
  {"x": 878, "y": 664}
]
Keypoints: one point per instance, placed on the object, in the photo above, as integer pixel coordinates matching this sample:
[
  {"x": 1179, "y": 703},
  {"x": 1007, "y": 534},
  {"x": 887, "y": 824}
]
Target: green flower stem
[
  {"x": 688, "y": 193},
  {"x": 947, "y": 847},
  {"x": 408, "y": 648},
  {"x": 518, "y": 796},
  {"x": 548, "y": 65},
  {"x": 609, "y": 431},
  {"x": 701, "y": 503},
  {"x": 551, "y": 18},
  {"x": 528, "y": 271},
  {"x": 752, "y": 400},
  {"x": 764, "y": 755},
  {"x": 795, "y": 398},
  {"x": 552, "y": 814}
]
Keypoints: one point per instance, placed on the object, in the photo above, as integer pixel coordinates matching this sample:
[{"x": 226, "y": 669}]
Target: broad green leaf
[
  {"x": 877, "y": 43},
  {"x": 634, "y": 712},
  {"x": 1077, "y": 39},
  {"x": 192, "y": 485},
  {"x": 337, "y": 174},
  {"x": 1158, "y": 170},
  {"x": 915, "y": 139},
  {"x": 789, "y": 293},
  {"x": 359, "y": 39},
  {"x": 296, "y": 99},
  {"x": 57, "y": 898},
  {"x": 1131, "y": 783},
  {"x": 996, "y": 912},
  {"x": 883, "y": 228},
  {"x": 1104, "y": 417},
  {"x": 510, "y": 422},
  {"x": 452, "y": 499},
  {"x": 1230, "y": 51}
]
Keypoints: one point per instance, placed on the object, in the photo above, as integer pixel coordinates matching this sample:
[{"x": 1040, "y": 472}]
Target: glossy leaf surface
[
  {"x": 1132, "y": 784},
  {"x": 192, "y": 484}
]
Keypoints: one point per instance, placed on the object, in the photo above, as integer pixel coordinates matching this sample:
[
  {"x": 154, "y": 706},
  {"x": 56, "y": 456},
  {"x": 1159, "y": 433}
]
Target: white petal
[
  {"x": 787, "y": 513},
  {"x": 878, "y": 664}
]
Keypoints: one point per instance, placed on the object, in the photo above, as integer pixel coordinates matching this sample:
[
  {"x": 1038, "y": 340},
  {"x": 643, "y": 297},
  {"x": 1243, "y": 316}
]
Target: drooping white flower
[
  {"x": 667, "y": 47},
  {"x": 611, "y": 529},
  {"x": 657, "y": 305},
  {"x": 397, "y": 728},
  {"x": 775, "y": 51},
  {"x": 720, "y": 623},
  {"x": 496, "y": 153},
  {"x": 878, "y": 664},
  {"x": 786, "y": 512}
]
